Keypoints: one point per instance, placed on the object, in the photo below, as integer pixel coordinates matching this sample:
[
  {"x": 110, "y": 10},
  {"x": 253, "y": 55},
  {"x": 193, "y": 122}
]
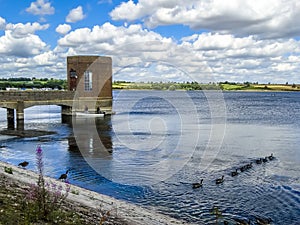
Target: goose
[
  {"x": 263, "y": 221},
  {"x": 259, "y": 161},
  {"x": 271, "y": 157},
  {"x": 220, "y": 180},
  {"x": 249, "y": 166},
  {"x": 234, "y": 173},
  {"x": 64, "y": 175},
  {"x": 265, "y": 159},
  {"x": 242, "y": 222},
  {"x": 23, "y": 164},
  {"x": 243, "y": 168},
  {"x": 197, "y": 185}
]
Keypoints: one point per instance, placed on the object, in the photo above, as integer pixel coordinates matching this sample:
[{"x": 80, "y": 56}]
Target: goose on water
[
  {"x": 265, "y": 159},
  {"x": 242, "y": 222},
  {"x": 263, "y": 221},
  {"x": 259, "y": 161},
  {"x": 197, "y": 185},
  {"x": 249, "y": 166},
  {"x": 234, "y": 173},
  {"x": 271, "y": 157},
  {"x": 243, "y": 168},
  {"x": 220, "y": 180}
]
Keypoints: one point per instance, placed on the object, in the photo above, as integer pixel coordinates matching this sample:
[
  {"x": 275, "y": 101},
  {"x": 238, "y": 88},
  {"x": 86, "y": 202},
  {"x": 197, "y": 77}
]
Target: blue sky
[{"x": 162, "y": 40}]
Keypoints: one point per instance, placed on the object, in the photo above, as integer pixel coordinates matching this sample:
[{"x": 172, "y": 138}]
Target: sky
[{"x": 161, "y": 40}]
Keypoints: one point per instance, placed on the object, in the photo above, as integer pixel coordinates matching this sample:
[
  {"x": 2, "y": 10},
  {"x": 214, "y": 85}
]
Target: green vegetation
[
  {"x": 60, "y": 84},
  {"x": 45, "y": 202},
  {"x": 247, "y": 86},
  {"x": 16, "y": 210},
  {"x": 8, "y": 170},
  {"x": 226, "y": 86},
  {"x": 32, "y": 83},
  {"x": 171, "y": 86}
]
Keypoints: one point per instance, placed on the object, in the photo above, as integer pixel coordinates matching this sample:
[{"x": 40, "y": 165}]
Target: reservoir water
[{"x": 160, "y": 142}]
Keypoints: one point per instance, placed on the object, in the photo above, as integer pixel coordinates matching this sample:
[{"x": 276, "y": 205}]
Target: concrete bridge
[
  {"x": 16, "y": 101},
  {"x": 89, "y": 80}
]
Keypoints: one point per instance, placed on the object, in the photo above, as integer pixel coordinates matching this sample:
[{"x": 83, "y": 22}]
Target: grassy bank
[
  {"x": 81, "y": 206},
  {"x": 19, "y": 208}
]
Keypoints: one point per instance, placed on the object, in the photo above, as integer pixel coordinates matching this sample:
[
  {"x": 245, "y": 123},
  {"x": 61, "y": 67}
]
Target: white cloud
[
  {"x": 45, "y": 58},
  {"x": 266, "y": 18},
  {"x": 128, "y": 11},
  {"x": 228, "y": 56},
  {"x": 26, "y": 46},
  {"x": 75, "y": 15},
  {"x": 110, "y": 39},
  {"x": 41, "y": 7},
  {"x": 142, "y": 54},
  {"x": 2, "y": 23},
  {"x": 20, "y": 30},
  {"x": 283, "y": 67},
  {"x": 209, "y": 41},
  {"x": 63, "y": 29}
]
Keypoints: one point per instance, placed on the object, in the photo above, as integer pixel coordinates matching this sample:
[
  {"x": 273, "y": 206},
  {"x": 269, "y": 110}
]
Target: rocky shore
[
  {"x": 89, "y": 205},
  {"x": 25, "y": 133}
]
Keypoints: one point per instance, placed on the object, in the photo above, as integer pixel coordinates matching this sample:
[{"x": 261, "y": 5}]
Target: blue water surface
[{"x": 160, "y": 142}]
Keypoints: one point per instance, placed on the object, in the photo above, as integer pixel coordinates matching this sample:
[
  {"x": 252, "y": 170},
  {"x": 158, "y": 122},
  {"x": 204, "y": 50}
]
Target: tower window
[{"x": 88, "y": 80}]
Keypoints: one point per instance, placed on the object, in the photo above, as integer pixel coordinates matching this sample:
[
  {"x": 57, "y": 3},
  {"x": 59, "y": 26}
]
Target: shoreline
[
  {"x": 234, "y": 90},
  {"x": 89, "y": 203}
]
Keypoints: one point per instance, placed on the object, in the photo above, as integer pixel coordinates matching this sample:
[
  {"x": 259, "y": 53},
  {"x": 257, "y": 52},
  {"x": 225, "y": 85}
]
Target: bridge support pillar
[
  {"x": 10, "y": 119},
  {"x": 66, "y": 114},
  {"x": 20, "y": 115}
]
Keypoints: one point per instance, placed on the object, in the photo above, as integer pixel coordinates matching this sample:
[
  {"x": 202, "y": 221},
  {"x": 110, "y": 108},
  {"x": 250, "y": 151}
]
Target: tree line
[{"x": 32, "y": 83}]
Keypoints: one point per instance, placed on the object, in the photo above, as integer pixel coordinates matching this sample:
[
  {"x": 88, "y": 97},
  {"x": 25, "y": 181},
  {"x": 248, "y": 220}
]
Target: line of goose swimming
[
  {"x": 235, "y": 172},
  {"x": 249, "y": 165}
]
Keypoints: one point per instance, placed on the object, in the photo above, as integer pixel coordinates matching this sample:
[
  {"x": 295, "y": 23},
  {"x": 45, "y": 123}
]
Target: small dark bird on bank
[
  {"x": 220, "y": 180},
  {"x": 64, "y": 175},
  {"x": 234, "y": 173},
  {"x": 197, "y": 185},
  {"x": 23, "y": 164}
]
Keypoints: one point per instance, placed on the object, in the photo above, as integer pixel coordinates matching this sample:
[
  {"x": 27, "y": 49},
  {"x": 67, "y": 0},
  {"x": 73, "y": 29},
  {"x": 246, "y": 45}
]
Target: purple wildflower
[
  {"x": 39, "y": 160},
  {"x": 31, "y": 193}
]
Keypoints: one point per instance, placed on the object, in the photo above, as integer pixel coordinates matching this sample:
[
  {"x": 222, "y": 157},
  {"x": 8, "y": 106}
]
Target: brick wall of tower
[{"x": 101, "y": 68}]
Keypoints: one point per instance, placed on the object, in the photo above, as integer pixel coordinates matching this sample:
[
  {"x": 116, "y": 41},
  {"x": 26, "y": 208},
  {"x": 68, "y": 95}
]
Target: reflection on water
[
  {"x": 92, "y": 135},
  {"x": 258, "y": 124}
]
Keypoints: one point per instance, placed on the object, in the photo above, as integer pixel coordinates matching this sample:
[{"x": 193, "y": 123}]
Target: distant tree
[
  {"x": 247, "y": 84},
  {"x": 172, "y": 88}
]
